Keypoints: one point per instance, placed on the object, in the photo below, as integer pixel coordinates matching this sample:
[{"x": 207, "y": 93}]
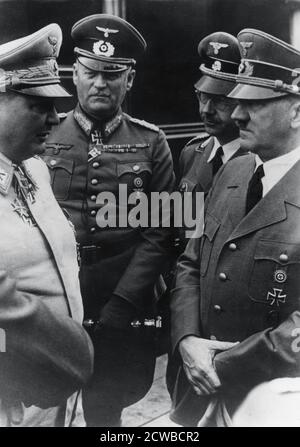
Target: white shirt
[
  {"x": 276, "y": 168},
  {"x": 229, "y": 149}
]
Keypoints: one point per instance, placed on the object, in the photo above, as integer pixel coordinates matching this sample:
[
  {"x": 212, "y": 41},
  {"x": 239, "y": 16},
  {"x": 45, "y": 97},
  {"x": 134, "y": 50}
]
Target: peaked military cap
[
  {"x": 29, "y": 64},
  {"x": 269, "y": 67},
  {"x": 220, "y": 59},
  {"x": 107, "y": 43}
]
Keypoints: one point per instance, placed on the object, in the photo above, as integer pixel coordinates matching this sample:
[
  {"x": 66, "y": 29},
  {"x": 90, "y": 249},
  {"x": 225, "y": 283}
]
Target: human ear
[
  {"x": 130, "y": 79},
  {"x": 75, "y": 73}
]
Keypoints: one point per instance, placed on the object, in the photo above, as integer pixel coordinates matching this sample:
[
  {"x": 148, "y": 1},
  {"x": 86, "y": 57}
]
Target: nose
[
  {"x": 240, "y": 113},
  {"x": 100, "y": 81},
  {"x": 208, "y": 107},
  {"x": 52, "y": 116}
]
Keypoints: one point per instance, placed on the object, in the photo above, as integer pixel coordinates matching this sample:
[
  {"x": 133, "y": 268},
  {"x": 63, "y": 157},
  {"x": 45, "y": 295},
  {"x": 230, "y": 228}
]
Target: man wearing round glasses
[{"x": 202, "y": 157}]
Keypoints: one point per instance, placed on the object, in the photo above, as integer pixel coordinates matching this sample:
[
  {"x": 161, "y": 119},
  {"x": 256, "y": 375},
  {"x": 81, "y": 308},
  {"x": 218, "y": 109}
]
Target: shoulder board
[
  {"x": 198, "y": 139},
  {"x": 144, "y": 124},
  {"x": 62, "y": 116}
]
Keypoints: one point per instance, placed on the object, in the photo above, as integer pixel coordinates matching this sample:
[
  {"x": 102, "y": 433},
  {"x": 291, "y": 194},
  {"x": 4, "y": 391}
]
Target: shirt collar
[
  {"x": 229, "y": 149},
  {"x": 286, "y": 160}
]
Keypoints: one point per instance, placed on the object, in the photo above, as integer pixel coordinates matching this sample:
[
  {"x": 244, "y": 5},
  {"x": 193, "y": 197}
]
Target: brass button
[
  {"x": 53, "y": 162},
  {"x": 96, "y": 164},
  {"x": 93, "y": 198},
  {"x": 94, "y": 181},
  {"x": 93, "y": 213},
  {"x": 283, "y": 257},
  {"x": 232, "y": 246},
  {"x": 217, "y": 308},
  {"x": 223, "y": 276},
  {"x": 93, "y": 229},
  {"x": 213, "y": 337},
  {"x": 136, "y": 168}
]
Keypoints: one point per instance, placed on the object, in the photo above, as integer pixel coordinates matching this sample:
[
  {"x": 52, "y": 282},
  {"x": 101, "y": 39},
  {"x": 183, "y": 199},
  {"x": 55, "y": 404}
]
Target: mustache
[{"x": 242, "y": 125}]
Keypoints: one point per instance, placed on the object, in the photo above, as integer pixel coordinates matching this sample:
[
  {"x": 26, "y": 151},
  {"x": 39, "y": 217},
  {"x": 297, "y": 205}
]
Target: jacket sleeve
[
  {"x": 185, "y": 299},
  {"x": 264, "y": 356},
  {"x": 153, "y": 250},
  {"x": 44, "y": 357}
]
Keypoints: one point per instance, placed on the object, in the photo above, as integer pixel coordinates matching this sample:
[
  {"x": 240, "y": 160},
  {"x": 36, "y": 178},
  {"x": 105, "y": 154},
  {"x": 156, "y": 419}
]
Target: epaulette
[
  {"x": 144, "y": 124},
  {"x": 62, "y": 116},
  {"x": 198, "y": 139}
]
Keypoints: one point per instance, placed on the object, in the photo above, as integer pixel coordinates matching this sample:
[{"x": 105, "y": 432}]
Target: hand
[
  {"x": 117, "y": 314},
  {"x": 197, "y": 355}
]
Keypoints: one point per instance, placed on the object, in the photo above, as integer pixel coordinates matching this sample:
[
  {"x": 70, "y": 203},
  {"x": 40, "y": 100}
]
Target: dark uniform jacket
[
  {"x": 196, "y": 174},
  {"x": 240, "y": 282},
  {"x": 127, "y": 152}
]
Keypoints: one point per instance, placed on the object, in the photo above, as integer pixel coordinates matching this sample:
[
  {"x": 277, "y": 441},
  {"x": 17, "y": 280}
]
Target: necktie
[
  {"x": 255, "y": 189},
  {"x": 217, "y": 161}
]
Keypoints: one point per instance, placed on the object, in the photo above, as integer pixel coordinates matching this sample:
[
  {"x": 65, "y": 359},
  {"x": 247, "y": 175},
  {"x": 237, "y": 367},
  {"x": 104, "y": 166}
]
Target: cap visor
[
  {"x": 48, "y": 91},
  {"x": 101, "y": 65},
  {"x": 244, "y": 91},
  {"x": 214, "y": 86}
]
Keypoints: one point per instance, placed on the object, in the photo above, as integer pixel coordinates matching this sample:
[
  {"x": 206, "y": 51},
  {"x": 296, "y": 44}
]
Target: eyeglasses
[{"x": 220, "y": 102}]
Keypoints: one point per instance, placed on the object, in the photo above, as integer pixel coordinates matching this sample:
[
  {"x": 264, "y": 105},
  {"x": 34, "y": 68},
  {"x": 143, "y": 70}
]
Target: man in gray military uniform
[
  {"x": 235, "y": 305},
  {"x": 96, "y": 149},
  {"x": 202, "y": 157}
]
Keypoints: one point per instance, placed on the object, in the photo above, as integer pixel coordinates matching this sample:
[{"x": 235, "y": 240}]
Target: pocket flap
[
  {"x": 281, "y": 252},
  {"x": 135, "y": 167},
  {"x": 186, "y": 185},
  {"x": 63, "y": 163}
]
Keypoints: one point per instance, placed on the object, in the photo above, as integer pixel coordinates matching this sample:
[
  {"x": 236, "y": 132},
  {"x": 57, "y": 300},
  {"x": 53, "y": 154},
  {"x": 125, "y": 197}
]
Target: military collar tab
[
  {"x": 84, "y": 122},
  {"x": 113, "y": 124},
  {"x": 87, "y": 125}
]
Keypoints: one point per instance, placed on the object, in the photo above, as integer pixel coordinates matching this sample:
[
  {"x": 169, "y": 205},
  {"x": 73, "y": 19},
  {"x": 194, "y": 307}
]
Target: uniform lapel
[
  {"x": 271, "y": 208},
  {"x": 204, "y": 173}
]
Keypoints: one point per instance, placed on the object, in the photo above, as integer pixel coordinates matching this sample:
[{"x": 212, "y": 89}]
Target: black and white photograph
[{"x": 149, "y": 216}]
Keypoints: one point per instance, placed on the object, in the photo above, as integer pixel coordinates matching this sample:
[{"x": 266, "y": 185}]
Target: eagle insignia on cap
[
  {"x": 246, "y": 46},
  {"x": 102, "y": 48},
  {"x": 216, "y": 66},
  {"x": 53, "y": 42},
  {"x": 217, "y": 46},
  {"x": 245, "y": 68},
  {"x": 106, "y": 31}
]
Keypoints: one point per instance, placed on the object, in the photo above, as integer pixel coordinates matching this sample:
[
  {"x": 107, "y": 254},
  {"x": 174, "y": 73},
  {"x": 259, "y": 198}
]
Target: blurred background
[{"x": 163, "y": 91}]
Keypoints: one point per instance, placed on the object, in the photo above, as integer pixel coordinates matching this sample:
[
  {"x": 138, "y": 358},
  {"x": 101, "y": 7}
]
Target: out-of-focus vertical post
[{"x": 115, "y": 7}]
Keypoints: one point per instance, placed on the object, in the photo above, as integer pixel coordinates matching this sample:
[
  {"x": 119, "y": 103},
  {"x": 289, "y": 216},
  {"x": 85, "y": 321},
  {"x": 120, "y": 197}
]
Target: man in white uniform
[{"x": 46, "y": 356}]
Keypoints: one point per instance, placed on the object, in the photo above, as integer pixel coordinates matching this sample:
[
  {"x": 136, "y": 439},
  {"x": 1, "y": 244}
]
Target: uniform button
[
  {"x": 283, "y": 257},
  {"x": 93, "y": 198},
  {"x": 136, "y": 168},
  {"x": 217, "y": 308},
  {"x": 96, "y": 164},
  {"x": 223, "y": 276},
  {"x": 232, "y": 246},
  {"x": 94, "y": 181},
  {"x": 93, "y": 229},
  {"x": 53, "y": 162},
  {"x": 93, "y": 213},
  {"x": 213, "y": 337}
]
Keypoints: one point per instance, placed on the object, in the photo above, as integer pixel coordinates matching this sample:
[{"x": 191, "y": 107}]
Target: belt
[{"x": 90, "y": 254}]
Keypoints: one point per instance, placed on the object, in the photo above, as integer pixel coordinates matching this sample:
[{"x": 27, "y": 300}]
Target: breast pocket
[
  {"x": 136, "y": 175},
  {"x": 61, "y": 171},
  {"x": 210, "y": 230},
  {"x": 275, "y": 273}
]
